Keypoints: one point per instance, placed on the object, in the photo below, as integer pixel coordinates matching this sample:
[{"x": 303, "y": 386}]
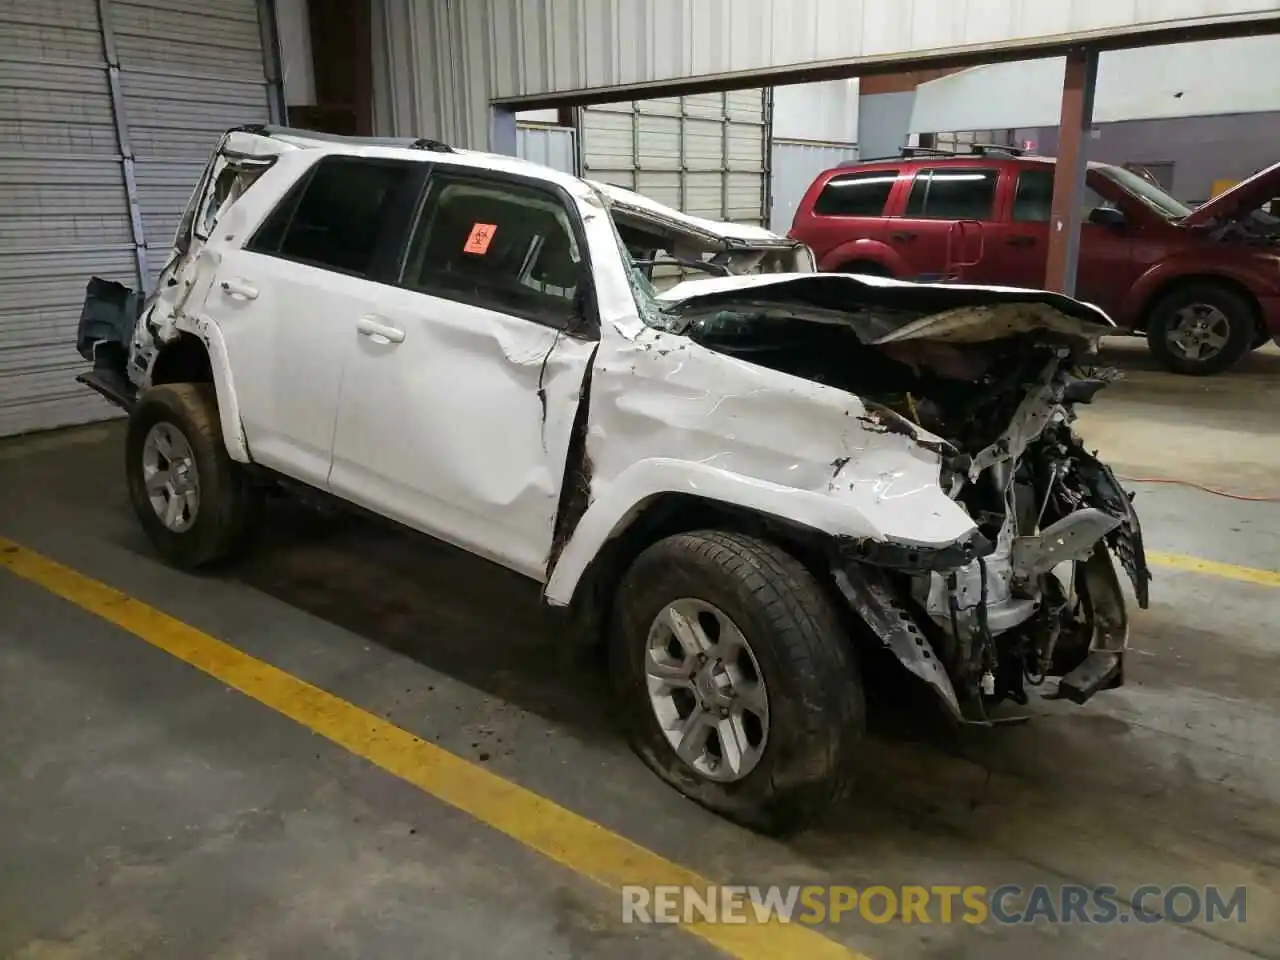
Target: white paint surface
[{"x": 460, "y": 425}]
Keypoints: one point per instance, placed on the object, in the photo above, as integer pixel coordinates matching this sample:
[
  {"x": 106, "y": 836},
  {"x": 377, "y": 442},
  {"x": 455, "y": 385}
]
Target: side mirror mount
[{"x": 1107, "y": 217}]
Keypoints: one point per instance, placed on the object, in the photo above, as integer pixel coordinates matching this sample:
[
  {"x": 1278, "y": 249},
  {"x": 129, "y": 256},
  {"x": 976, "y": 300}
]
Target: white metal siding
[
  {"x": 794, "y": 166},
  {"x": 705, "y": 154},
  {"x": 63, "y": 205},
  {"x": 66, "y": 216},
  {"x": 555, "y": 147},
  {"x": 187, "y": 74},
  {"x": 439, "y": 63},
  {"x": 821, "y": 112}
]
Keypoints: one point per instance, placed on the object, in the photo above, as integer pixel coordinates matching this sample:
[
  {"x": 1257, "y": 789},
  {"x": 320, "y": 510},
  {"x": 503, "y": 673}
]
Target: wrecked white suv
[{"x": 749, "y": 485}]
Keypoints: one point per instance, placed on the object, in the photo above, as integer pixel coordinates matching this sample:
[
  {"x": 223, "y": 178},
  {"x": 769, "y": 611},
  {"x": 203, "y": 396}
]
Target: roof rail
[
  {"x": 982, "y": 149},
  {"x": 435, "y": 146},
  {"x": 906, "y": 153}
]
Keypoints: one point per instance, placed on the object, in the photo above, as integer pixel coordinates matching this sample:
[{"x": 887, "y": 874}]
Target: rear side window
[
  {"x": 953, "y": 193},
  {"x": 334, "y": 217},
  {"x": 855, "y": 194},
  {"x": 497, "y": 244}
]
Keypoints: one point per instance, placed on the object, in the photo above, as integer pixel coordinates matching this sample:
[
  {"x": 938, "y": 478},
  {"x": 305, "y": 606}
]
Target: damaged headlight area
[{"x": 989, "y": 386}]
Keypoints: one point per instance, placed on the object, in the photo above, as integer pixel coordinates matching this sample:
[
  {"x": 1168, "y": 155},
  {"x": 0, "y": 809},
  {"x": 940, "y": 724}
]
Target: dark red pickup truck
[{"x": 1203, "y": 284}]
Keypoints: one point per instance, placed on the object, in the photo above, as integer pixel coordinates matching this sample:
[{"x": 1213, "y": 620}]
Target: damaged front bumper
[{"x": 966, "y": 618}]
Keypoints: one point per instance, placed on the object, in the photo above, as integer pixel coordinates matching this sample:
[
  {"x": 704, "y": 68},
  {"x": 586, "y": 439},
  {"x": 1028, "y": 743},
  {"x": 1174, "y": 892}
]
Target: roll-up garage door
[
  {"x": 71, "y": 153},
  {"x": 705, "y": 154}
]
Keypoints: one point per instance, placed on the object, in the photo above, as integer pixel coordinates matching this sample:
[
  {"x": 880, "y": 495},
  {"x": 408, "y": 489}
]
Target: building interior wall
[{"x": 1203, "y": 150}]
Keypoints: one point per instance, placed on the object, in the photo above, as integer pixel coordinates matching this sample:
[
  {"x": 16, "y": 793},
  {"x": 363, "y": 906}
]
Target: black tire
[
  {"x": 1261, "y": 338},
  {"x": 815, "y": 696},
  {"x": 228, "y": 503},
  {"x": 867, "y": 268},
  {"x": 1242, "y": 328}
]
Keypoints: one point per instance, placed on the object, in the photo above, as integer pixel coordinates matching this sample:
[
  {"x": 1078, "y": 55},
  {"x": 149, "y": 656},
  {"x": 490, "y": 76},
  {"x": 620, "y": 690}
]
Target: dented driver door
[{"x": 460, "y": 389}]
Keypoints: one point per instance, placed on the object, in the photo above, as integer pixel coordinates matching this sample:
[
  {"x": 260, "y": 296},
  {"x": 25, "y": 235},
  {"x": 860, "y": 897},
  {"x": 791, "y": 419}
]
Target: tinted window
[
  {"x": 502, "y": 245},
  {"x": 953, "y": 193},
  {"x": 855, "y": 194},
  {"x": 1033, "y": 201},
  {"x": 334, "y": 217}
]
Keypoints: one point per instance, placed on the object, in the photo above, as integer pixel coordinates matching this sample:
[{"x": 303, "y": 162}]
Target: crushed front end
[
  {"x": 1033, "y": 592},
  {"x": 985, "y": 380}
]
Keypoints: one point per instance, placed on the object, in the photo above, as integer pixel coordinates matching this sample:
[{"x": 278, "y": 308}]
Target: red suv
[{"x": 1203, "y": 284}]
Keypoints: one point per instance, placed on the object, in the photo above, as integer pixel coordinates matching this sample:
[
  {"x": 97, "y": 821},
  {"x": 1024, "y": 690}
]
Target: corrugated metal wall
[
  {"x": 815, "y": 127},
  {"x": 795, "y": 165},
  {"x": 183, "y": 76},
  {"x": 706, "y": 154},
  {"x": 555, "y": 147},
  {"x": 441, "y": 62}
]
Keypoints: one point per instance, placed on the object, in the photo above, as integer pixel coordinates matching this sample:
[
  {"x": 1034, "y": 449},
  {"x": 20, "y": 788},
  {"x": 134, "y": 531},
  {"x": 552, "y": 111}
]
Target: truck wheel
[
  {"x": 737, "y": 683},
  {"x": 194, "y": 502},
  {"x": 1201, "y": 329}
]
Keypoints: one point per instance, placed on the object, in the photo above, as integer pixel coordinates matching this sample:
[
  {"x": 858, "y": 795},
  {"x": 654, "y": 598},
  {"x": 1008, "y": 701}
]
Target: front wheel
[
  {"x": 195, "y": 504},
  {"x": 1201, "y": 329},
  {"x": 737, "y": 682}
]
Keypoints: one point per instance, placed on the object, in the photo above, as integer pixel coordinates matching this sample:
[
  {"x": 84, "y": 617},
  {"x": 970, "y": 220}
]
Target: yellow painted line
[
  {"x": 582, "y": 845},
  {"x": 1229, "y": 571}
]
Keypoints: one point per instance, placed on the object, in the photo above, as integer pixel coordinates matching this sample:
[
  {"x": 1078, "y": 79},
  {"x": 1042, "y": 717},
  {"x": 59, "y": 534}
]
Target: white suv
[{"x": 745, "y": 485}]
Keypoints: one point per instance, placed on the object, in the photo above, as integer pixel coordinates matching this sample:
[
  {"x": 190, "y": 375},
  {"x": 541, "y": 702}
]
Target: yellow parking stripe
[
  {"x": 1230, "y": 571},
  {"x": 573, "y": 841}
]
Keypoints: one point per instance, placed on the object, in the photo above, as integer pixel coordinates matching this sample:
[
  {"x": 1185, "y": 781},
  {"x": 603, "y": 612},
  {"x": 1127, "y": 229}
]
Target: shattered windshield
[
  {"x": 1153, "y": 196},
  {"x": 647, "y": 303}
]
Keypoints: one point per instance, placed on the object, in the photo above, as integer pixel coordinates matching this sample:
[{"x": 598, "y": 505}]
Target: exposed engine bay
[{"x": 990, "y": 389}]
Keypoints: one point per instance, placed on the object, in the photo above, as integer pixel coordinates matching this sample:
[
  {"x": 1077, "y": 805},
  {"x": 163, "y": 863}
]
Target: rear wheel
[
  {"x": 867, "y": 268},
  {"x": 737, "y": 682},
  {"x": 195, "y": 504},
  {"x": 1201, "y": 329}
]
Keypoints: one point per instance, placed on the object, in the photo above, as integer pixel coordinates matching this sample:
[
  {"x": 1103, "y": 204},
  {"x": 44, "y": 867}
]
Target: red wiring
[{"x": 1199, "y": 486}]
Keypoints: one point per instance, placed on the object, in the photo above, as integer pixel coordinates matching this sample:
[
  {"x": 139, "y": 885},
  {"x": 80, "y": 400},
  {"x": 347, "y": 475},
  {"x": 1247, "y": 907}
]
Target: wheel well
[
  {"x": 869, "y": 267},
  {"x": 1197, "y": 280},
  {"x": 667, "y": 514},
  {"x": 185, "y": 360}
]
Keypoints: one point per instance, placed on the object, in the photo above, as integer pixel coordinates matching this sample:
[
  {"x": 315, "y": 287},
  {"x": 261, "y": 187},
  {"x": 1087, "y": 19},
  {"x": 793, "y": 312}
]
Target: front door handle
[
  {"x": 378, "y": 330},
  {"x": 1021, "y": 240},
  {"x": 239, "y": 289},
  {"x": 902, "y": 236}
]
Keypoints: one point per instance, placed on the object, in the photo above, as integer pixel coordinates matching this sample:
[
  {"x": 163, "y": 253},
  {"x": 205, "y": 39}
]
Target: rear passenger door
[
  {"x": 287, "y": 303},
  {"x": 940, "y": 234},
  {"x": 462, "y": 381}
]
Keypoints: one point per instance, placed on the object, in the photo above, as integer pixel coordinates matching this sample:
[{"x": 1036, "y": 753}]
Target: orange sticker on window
[{"x": 480, "y": 237}]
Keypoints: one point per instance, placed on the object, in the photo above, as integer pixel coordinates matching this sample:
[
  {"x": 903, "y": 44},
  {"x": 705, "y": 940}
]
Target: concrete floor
[{"x": 148, "y": 811}]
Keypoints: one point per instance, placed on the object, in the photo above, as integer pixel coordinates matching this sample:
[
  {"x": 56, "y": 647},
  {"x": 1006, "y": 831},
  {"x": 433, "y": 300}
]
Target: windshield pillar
[{"x": 1079, "y": 83}]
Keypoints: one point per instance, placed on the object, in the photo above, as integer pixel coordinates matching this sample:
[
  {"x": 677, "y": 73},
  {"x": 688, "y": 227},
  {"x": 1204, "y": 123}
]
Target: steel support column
[{"x": 1078, "y": 88}]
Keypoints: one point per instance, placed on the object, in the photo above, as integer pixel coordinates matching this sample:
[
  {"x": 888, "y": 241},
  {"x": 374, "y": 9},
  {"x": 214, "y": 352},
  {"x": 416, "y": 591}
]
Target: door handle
[
  {"x": 239, "y": 290},
  {"x": 1021, "y": 240},
  {"x": 379, "y": 332},
  {"x": 902, "y": 237}
]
